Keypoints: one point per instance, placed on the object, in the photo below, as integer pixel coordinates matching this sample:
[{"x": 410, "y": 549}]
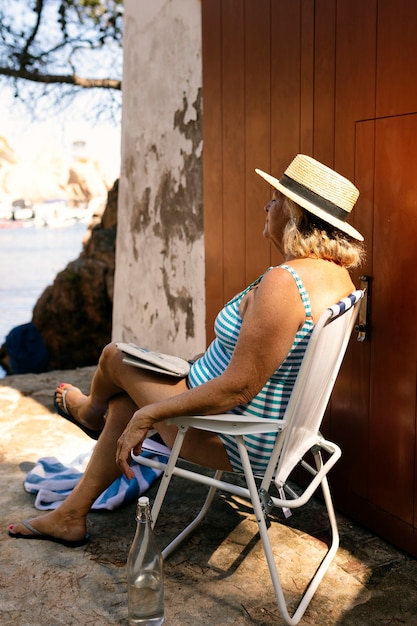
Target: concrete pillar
[{"x": 159, "y": 297}]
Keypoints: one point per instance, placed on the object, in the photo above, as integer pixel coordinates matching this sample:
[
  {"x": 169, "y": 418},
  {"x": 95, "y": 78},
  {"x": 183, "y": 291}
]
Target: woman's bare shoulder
[
  {"x": 324, "y": 281},
  {"x": 279, "y": 291}
]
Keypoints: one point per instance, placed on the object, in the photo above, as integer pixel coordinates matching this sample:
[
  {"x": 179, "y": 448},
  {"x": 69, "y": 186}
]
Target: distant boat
[
  {"x": 22, "y": 210},
  {"x": 26, "y": 213},
  {"x": 58, "y": 213},
  {"x": 55, "y": 213},
  {"x": 15, "y": 215}
]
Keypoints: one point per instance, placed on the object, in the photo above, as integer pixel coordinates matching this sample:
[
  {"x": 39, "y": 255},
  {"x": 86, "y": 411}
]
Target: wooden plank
[
  {"x": 212, "y": 159},
  {"x": 324, "y": 81},
  {"x": 307, "y": 76},
  {"x": 257, "y": 132},
  {"x": 285, "y": 88},
  {"x": 394, "y": 334},
  {"x": 348, "y": 420},
  {"x": 233, "y": 139},
  {"x": 397, "y": 57},
  {"x": 285, "y": 83},
  {"x": 355, "y": 76}
]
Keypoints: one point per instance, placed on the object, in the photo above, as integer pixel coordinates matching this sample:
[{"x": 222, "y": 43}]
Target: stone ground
[{"x": 212, "y": 579}]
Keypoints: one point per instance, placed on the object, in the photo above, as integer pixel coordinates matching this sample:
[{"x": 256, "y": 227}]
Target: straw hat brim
[{"x": 312, "y": 208}]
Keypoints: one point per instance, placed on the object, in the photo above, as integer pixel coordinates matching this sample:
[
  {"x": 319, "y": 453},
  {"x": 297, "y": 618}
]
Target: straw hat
[{"x": 318, "y": 189}]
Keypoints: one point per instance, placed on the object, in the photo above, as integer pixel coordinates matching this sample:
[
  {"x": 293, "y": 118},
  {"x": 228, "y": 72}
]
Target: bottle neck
[{"x": 143, "y": 513}]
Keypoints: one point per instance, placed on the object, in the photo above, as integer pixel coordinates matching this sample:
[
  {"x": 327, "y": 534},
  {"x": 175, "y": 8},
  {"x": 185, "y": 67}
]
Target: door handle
[{"x": 362, "y": 325}]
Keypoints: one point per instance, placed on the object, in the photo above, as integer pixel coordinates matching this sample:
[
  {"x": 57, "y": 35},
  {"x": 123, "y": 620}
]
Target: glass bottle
[{"x": 145, "y": 572}]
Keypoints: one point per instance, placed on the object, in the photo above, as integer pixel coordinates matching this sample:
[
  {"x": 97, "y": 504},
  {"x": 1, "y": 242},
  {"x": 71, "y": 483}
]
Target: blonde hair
[{"x": 305, "y": 235}]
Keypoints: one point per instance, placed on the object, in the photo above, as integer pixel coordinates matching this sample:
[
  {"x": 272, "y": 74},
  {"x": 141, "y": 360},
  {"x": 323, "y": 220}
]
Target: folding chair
[{"x": 297, "y": 434}]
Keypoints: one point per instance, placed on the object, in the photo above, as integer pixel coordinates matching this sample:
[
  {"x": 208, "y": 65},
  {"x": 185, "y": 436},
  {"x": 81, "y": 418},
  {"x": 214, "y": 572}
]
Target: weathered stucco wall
[{"x": 159, "y": 282}]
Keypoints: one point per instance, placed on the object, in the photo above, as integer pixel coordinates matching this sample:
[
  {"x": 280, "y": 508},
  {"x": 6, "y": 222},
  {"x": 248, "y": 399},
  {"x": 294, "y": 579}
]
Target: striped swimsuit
[{"x": 272, "y": 400}]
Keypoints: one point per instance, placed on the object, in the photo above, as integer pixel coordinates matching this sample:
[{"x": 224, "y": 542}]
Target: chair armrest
[{"x": 229, "y": 424}]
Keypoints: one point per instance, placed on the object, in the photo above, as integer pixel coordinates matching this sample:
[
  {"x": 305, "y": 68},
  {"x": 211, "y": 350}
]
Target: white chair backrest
[{"x": 315, "y": 381}]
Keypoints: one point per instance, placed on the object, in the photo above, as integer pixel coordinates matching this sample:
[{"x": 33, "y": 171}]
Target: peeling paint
[
  {"x": 180, "y": 208},
  {"x": 182, "y": 302},
  {"x": 141, "y": 217},
  {"x": 192, "y": 128},
  {"x": 180, "y": 205}
]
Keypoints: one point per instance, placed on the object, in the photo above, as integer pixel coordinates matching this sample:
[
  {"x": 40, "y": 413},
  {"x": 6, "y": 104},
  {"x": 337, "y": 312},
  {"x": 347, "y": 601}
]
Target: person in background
[
  {"x": 24, "y": 351},
  {"x": 250, "y": 367}
]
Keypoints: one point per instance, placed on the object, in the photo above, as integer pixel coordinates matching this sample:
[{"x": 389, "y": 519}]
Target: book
[{"x": 154, "y": 361}]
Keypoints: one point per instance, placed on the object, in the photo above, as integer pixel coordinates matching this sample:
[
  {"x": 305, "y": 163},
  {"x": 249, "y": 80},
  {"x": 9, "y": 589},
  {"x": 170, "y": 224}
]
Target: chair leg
[
  {"x": 329, "y": 556},
  {"x": 163, "y": 487},
  {"x": 263, "y": 531},
  {"x": 167, "y": 475},
  {"x": 194, "y": 523}
]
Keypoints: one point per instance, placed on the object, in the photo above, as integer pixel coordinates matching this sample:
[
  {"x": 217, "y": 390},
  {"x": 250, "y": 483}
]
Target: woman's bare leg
[
  {"x": 113, "y": 387},
  {"x": 144, "y": 387},
  {"x": 112, "y": 377},
  {"x": 69, "y": 520}
]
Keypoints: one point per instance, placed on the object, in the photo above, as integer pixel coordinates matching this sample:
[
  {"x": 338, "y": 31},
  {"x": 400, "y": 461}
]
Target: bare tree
[{"x": 58, "y": 48}]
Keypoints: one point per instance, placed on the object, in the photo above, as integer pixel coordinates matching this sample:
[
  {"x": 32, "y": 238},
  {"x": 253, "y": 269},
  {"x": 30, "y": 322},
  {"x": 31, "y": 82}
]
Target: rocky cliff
[{"x": 74, "y": 314}]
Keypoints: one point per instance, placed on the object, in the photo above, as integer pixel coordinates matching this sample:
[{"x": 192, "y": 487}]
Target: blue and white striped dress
[{"x": 272, "y": 400}]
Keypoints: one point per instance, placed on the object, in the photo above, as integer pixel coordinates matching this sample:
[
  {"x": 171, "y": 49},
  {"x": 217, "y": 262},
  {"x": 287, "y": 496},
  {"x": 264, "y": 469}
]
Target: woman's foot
[
  {"x": 52, "y": 527},
  {"x": 73, "y": 405}
]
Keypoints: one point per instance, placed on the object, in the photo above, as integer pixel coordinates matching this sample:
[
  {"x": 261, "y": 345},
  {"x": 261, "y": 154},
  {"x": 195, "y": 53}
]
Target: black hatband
[{"x": 313, "y": 197}]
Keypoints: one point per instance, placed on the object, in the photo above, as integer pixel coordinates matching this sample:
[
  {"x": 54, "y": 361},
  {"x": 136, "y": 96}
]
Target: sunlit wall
[{"x": 159, "y": 284}]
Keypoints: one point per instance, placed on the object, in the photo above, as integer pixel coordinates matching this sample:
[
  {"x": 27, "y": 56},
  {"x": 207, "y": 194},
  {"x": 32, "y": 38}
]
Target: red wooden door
[
  {"x": 373, "y": 411},
  {"x": 334, "y": 79}
]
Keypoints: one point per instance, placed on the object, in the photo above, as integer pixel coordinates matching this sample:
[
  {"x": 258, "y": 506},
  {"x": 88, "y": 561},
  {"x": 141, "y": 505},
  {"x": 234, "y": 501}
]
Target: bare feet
[
  {"x": 53, "y": 526},
  {"x": 75, "y": 406}
]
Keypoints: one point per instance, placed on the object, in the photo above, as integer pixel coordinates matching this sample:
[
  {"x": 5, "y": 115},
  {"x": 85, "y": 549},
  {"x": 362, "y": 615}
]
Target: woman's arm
[{"x": 273, "y": 314}]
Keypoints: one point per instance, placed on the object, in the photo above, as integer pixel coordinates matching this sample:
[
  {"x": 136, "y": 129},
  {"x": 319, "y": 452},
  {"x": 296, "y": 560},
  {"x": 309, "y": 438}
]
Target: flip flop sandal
[
  {"x": 63, "y": 412},
  {"x": 36, "y": 534}
]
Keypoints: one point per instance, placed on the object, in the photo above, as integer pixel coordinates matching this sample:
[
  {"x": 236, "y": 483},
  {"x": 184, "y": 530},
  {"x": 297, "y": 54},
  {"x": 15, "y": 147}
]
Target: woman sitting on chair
[{"x": 249, "y": 368}]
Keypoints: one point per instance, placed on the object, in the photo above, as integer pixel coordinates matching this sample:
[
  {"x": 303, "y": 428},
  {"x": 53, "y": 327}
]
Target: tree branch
[
  {"x": 24, "y": 57},
  {"x": 73, "y": 79}
]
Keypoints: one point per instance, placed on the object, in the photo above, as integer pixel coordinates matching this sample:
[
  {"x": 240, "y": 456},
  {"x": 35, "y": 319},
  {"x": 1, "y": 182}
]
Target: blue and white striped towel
[{"x": 52, "y": 481}]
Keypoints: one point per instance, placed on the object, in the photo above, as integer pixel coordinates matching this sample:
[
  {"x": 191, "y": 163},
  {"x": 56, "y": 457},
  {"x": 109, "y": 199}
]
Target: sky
[{"x": 58, "y": 133}]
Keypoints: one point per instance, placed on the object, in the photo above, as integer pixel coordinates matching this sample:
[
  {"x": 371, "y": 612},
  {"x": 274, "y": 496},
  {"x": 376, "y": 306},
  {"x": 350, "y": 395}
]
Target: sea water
[{"x": 30, "y": 258}]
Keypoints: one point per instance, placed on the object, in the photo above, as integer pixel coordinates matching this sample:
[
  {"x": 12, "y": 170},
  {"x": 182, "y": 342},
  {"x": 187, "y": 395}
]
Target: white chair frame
[{"x": 297, "y": 434}]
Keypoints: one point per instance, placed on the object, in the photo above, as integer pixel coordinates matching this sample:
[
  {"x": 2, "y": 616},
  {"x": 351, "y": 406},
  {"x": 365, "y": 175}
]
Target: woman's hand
[{"x": 132, "y": 438}]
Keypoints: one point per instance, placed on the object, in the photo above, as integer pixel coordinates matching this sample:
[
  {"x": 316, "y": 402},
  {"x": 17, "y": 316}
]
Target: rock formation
[{"x": 74, "y": 314}]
